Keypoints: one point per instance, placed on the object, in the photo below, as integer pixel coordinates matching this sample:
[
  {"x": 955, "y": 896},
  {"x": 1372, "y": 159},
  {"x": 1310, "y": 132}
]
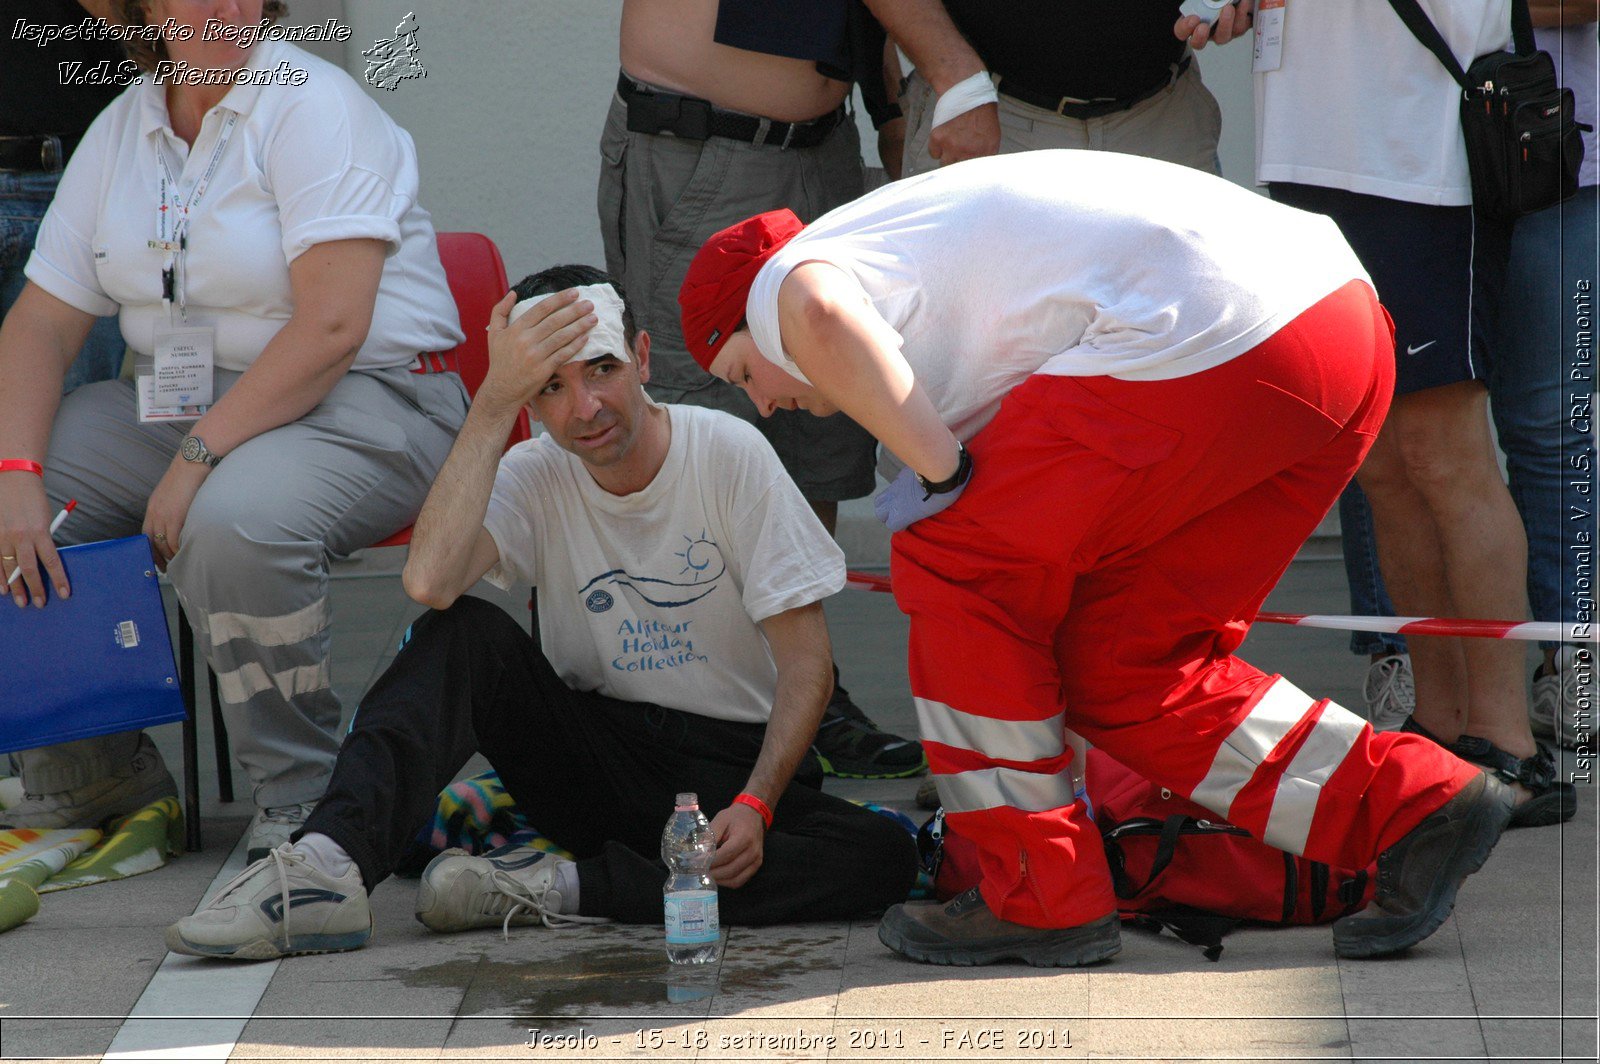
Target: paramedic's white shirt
[
  {"x": 655, "y": 596},
  {"x": 1077, "y": 263},
  {"x": 1359, "y": 104},
  {"x": 306, "y": 164}
]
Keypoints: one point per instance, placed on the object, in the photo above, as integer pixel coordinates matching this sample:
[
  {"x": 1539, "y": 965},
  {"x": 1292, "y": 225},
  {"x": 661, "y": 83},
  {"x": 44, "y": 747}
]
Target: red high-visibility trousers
[{"x": 1107, "y": 559}]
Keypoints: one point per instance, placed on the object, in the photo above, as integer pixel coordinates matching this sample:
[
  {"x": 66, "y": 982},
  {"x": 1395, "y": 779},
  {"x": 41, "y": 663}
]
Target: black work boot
[
  {"x": 851, "y": 746},
  {"x": 1418, "y": 876},
  {"x": 964, "y": 931}
]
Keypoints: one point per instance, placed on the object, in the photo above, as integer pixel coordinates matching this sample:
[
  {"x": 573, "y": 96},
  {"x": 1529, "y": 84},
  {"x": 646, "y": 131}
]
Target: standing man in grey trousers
[{"x": 726, "y": 108}]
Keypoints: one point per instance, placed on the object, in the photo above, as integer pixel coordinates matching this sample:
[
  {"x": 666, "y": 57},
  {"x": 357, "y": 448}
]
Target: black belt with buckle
[
  {"x": 47, "y": 153},
  {"x": 653, "y": 111},
  {"x": 1071, "y": 107}
]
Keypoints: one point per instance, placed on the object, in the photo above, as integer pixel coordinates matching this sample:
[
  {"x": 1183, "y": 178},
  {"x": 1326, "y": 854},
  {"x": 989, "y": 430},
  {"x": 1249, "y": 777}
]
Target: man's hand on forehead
[{"x": 524, "y": 354}]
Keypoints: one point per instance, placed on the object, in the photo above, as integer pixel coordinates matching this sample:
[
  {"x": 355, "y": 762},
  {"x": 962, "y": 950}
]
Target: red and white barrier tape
[
  {"x": 866, "y": 581},
  {"x": 1550, "y": 631}
]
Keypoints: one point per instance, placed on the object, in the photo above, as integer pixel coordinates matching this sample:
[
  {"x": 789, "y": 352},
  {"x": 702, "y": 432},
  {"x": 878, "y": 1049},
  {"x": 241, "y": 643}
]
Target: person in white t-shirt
[
  {"x": 1357, "y": 120},
  {"x": 681, "y": 647},
  {"x": 1124, "y": 392},
  {"x": 255, "y": 207}
]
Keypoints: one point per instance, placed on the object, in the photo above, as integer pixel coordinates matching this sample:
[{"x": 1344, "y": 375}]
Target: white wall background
[{"x": 507, "y": 121}]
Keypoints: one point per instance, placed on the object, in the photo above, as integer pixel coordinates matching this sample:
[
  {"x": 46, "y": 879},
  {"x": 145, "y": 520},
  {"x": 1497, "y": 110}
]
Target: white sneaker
[
  {"x": 1390, "y": 692},
  {"x": 246, "y": 920},
  {"x": 272, "y": 827},
  {"x": 1563, "y": 699},
  {"x": 142, "y": 780},
  {"x": 513, "y": 884}
]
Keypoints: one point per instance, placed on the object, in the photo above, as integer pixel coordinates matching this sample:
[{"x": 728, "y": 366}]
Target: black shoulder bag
[{"x": 1523, "y": 142}]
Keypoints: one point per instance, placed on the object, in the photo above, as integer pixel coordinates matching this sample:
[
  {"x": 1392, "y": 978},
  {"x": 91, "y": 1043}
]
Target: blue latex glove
[{"x": 903, "y": 502}]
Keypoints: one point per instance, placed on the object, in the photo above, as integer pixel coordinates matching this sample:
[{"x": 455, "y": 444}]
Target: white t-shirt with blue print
[{"x": 656, "y": 596}]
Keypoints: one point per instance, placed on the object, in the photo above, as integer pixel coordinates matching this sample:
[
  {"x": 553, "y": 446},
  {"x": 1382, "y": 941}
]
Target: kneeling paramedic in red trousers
[{"x": 1124, "y": 393}]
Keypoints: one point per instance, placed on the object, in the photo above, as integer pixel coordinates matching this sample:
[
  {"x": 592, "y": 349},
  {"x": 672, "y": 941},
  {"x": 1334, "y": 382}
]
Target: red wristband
[
  {"x": 757, "y": 804},
  {"x": 21, "y": 465}
]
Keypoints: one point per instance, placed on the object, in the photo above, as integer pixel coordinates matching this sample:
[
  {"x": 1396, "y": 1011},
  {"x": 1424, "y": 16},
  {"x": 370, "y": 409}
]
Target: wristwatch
[
  {"x": 195, "y": 450},
  {"x": 958, "y": 478}
]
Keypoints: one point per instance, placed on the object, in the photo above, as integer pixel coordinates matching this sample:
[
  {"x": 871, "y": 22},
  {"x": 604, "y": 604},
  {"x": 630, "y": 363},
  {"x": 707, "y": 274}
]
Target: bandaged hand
[
  {"x": 966, "y": 121},
  {"x": 905, "y": 502}
]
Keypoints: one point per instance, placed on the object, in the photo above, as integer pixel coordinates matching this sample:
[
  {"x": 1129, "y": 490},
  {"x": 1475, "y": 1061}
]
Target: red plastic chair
[{"x": 477, "y": 278}]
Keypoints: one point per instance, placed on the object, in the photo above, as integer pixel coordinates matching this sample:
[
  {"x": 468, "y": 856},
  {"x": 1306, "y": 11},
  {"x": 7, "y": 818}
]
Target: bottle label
[{"x": 692, "y": 917}]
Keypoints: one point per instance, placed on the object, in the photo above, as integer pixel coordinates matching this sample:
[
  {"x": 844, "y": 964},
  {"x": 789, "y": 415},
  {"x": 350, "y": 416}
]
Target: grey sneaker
[
  {"x": 1390, "y": 692},
  {"x": 510, "y": 885},
  {"x": 272, "y": 827},
  {"x": 1418, "y": 876},
  {"x": 965, "y": 931},
  {"x": 277, "y": 907},
  {"x": 143, "y": 780},
  {"x": 1563, "y": 698}
]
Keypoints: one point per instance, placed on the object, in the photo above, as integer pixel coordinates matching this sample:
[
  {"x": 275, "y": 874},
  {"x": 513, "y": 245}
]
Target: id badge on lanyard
[
  {"x": 180, "y": 383},
  {"x": 1268, "y": 54}
]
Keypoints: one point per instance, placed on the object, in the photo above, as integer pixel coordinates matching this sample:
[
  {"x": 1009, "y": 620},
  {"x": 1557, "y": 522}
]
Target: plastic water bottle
[{"x": 690, "y": 895}]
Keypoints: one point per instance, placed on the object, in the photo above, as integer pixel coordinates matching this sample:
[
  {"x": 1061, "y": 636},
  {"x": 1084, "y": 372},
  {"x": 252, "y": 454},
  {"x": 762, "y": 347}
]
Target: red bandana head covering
[{"x": 719, "y": 279}]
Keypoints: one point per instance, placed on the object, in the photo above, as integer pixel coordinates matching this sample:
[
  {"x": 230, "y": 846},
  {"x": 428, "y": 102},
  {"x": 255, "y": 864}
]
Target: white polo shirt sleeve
[
  {"x": 62, "y": 262},
  {"x": 309, "y": 162},
  {"x": 328, "y": 162}
]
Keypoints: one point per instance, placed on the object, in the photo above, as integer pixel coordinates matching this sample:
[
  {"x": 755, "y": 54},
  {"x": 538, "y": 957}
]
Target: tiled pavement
[{"x": 1511, "y": 977}]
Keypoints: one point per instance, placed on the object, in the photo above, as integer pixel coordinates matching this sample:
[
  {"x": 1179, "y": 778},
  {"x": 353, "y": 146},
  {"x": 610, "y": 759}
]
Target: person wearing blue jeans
[
  {"x": 24, "y": 197},
  {"x": 1542, "y": 384}
]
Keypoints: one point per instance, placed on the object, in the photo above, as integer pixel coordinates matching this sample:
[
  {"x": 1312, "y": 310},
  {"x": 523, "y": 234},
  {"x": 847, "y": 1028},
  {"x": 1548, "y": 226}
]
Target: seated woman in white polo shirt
[{"x": 269, "y": 226}]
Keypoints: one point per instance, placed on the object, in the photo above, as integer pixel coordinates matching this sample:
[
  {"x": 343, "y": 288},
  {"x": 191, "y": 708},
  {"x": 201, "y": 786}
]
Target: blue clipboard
[{"x": 92, "y": 664}]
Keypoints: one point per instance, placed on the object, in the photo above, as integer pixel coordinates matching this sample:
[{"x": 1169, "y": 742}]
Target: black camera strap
[{"x": 1417, "y": 22}]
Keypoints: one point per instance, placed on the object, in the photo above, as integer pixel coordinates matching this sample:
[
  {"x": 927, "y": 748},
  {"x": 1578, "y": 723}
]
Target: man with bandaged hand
[{"x": 681, "y": 647}]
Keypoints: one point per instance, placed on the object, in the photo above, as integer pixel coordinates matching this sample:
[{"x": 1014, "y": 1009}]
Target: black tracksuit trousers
[{"x": 594, "y": 774}]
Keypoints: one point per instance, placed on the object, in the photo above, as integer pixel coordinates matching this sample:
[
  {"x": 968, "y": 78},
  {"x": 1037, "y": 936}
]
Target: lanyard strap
[{"x": 176, "y": 214}]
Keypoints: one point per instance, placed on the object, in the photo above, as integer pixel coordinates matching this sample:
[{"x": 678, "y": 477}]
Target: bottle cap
[{"x": 687, "y": 802}]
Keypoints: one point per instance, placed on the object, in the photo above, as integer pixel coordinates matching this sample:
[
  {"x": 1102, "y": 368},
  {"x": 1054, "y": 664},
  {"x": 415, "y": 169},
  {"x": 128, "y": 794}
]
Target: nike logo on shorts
[{"x": 1410, "y": 350}]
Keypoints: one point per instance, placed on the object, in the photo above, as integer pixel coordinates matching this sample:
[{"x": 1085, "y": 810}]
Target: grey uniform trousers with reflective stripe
[{"x": 252, "y": 568}]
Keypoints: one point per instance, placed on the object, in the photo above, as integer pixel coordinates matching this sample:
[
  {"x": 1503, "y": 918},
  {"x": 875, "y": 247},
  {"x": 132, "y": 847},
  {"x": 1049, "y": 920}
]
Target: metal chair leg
[
  {"x": 191, "y": 756},
  {"x": 219, "y": 735}
]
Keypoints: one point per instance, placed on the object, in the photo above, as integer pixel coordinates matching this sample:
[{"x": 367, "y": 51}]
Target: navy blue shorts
[{"x": 1439, "y": 272}]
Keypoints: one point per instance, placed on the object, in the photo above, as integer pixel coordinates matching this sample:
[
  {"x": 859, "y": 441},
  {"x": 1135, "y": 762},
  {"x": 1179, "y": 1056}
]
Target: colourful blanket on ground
[
  {"x": 39, "y": 862},
  {"x": 477, "y": 815}
]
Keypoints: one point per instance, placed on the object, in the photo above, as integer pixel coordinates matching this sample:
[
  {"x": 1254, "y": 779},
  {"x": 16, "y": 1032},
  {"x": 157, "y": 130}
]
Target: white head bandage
[{"x": 607, "y": 337}]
